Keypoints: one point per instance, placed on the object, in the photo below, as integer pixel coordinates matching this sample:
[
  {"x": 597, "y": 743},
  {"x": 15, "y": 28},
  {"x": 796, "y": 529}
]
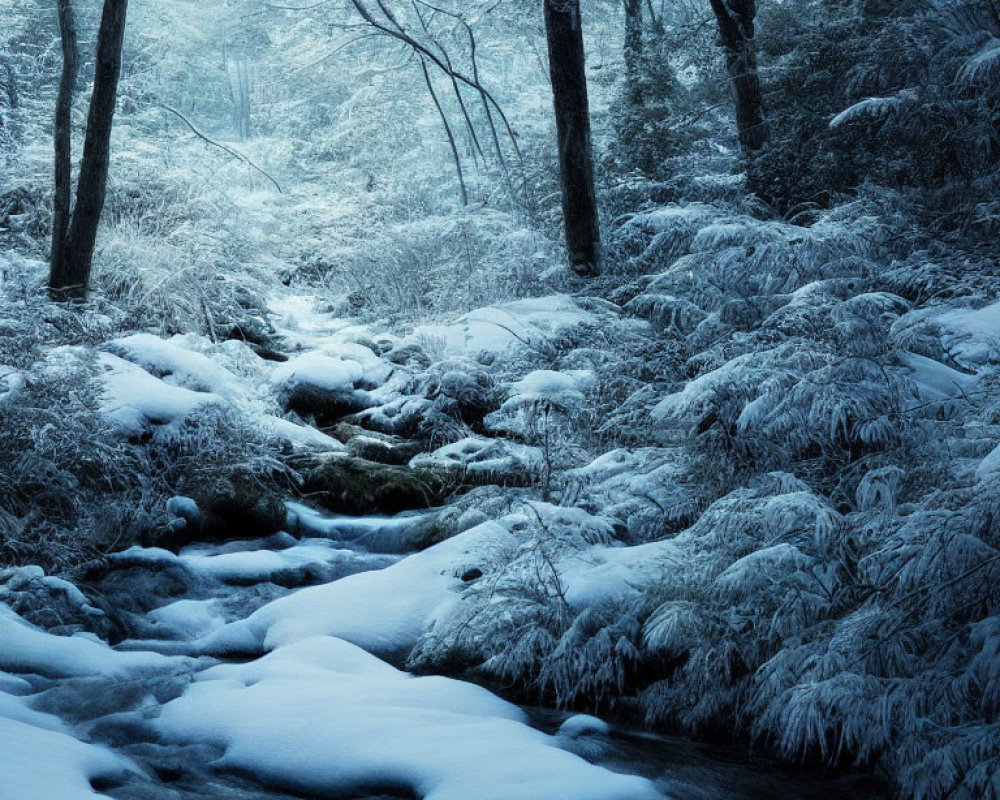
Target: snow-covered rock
[{"x": 321, "y": 716}]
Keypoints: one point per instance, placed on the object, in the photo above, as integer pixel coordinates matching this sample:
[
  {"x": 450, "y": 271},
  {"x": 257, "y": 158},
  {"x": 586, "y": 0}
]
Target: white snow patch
[
  {"x": 133, "y": 399},
  {"x": 385, "y": 611},
  {"x": 989, "y": 465},
  {"x": 495, "y": 329},
  {"x": 584, "y": 725},
  {"x": 27, "y": 649},
  {"x": 972, "y": 337},
  {"x": 934, "y": 380},
  {"x": 43, "y": 763},
  {"x": 243, "y": 566},
  {"x": 561, "y": 389},
  {"x": 177, "y": 364},
  {"x": 299, "y": 436},
  {"x": 321, "y": 716},
  {"x": 320, "y": 371}
]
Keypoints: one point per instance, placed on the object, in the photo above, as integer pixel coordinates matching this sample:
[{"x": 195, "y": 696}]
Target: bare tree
[
  {"x": 633, "y": 50},
  {"x": 73, "y": 256},
  {"x": 62, "y": 133},
  {"x": 564, "y": 31},
  {"x": 736, "y": 31}
]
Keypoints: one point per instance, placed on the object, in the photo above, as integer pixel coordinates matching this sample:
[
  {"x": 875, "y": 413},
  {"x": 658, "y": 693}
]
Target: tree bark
[
  {"x": 70, "y": 276},
  {"x": 736, "y": 30},
  {"x": 633, "y": 51},
  {"x": 569, "y": 89},
  {"x": 62, "y": 134}
]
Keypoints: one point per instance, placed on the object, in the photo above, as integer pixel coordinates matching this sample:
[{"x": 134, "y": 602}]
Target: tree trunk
[
  {"x": 633, "y": 51},
  {"x": 736, "y": 29},
  {"x": 569, "y": 89},
  {"x": 63, "y": 133},
  {"x": 10, "y": 83},
  {"x": 70, "y": 276}
]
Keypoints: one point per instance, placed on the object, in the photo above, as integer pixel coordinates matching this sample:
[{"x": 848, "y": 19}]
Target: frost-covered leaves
[{"x": 837, "y": 599}]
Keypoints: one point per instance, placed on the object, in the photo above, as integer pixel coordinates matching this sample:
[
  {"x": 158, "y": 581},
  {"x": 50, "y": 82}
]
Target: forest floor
[
  {"x": 272, "y": 665},
  {"x": 744, "y": 488}
]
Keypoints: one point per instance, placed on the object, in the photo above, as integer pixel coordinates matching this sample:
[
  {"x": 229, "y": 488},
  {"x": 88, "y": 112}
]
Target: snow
[
  {"x": 989, "y": 465},
  {"x": 319, "y": 371},
  {"x": 605, "y": 573},
  {"x": 563, "y": 389},
  {"x": 377, "y": 534},
  {"x": 301, "y": 436},
  {"x": 385, "y": 612},
  {"x": 241, "y": 566},
  {"x": 934, "y": 380},
  {"x": 496, "y": 329},
  {"x": 189, "y": 619},
  {"x": 480, "y": 455},
  {"x": 300, "y": 321},
  {"x": 27, "y": 649},
  {"x": 133, "y": 399},
  {"x": 324, "y": 717},
  {"x": 43, "y": 763},
  {"x": 11, "y": 383},
  {"x": 971, "y": 336},
  {"x": 177, "y": 364},
  {"x": 583, "y": 725}
]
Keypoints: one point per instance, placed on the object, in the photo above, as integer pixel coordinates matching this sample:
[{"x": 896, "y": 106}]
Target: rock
[
  {"x": 51, "y": 603},
  {"x": 478, "y": 461},
  {"x": 241, "y": 506},
  {"x": 356, "y": 486},
  {"x": 382, "y": 448},
  {"x": 325, "y": 406},
  {"x": 402, "y": 416},
  {"x": 184, "y": 515},
  {"x": 409, "y": 354},
  {"x": 325, "y": 388}
]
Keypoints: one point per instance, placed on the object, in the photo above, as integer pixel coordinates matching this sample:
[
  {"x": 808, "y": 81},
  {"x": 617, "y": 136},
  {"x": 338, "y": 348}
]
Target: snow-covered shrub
[{"x": 437, "y": 265}]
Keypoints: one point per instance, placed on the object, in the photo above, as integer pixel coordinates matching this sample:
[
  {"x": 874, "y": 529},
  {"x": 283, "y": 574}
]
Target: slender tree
[
  {"x": 633, "y": 50},
  {"x": 564, "y": 31},
  {"x": 73, "y": 256},
  {"x": 62, "y": 133},
  {"x": 736, "y": 31}
]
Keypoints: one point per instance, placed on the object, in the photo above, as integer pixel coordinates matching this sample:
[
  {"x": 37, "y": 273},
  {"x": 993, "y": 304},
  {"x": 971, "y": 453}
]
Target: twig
[{"x": 234, "y": 153}]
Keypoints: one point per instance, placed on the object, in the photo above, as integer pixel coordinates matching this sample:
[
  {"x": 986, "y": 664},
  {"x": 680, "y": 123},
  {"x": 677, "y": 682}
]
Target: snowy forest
[{"x": 500, "y": 399}]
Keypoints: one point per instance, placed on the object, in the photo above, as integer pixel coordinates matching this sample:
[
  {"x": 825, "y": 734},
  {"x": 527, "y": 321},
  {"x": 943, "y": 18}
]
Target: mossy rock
[
  {"x": 382, "y": 448},
  {"x": 356, "y": 486},
  {"x": 325, "y": 406},
  {"x": 242, "y": 506}
]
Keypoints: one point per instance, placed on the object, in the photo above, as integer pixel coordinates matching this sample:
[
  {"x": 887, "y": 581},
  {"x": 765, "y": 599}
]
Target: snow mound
[
  {"x": 319, "y": 371},
  {"x": 490, "y": 458},
  {"x": 40, "y": 762},
  {"x": 495, "y": 329},
  {"x": 27, "y": 649},
  {"x": 560, "y": 389},
  {"x": 175, "y": 363},
  {"x": 324, "y": 717},
  {"x": 385, "y": 612},
  {"x": 134, "y": 400},
  {"x": 970, "y": 336}
]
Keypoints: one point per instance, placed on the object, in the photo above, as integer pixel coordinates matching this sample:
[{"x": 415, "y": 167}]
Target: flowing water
[{"x": 236, "y": 578}]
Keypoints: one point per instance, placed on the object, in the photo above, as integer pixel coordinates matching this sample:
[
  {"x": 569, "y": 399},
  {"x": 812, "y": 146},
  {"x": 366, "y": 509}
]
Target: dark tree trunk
[
  {"x": 63, "y": 132},
  {"x": 633, "y": 51},
  {"x": 736, "y": 30},
  {"x": 569, "y": 89},
  {"x": 10, "y": 83},
  {"x": 70, "y": 276}
]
